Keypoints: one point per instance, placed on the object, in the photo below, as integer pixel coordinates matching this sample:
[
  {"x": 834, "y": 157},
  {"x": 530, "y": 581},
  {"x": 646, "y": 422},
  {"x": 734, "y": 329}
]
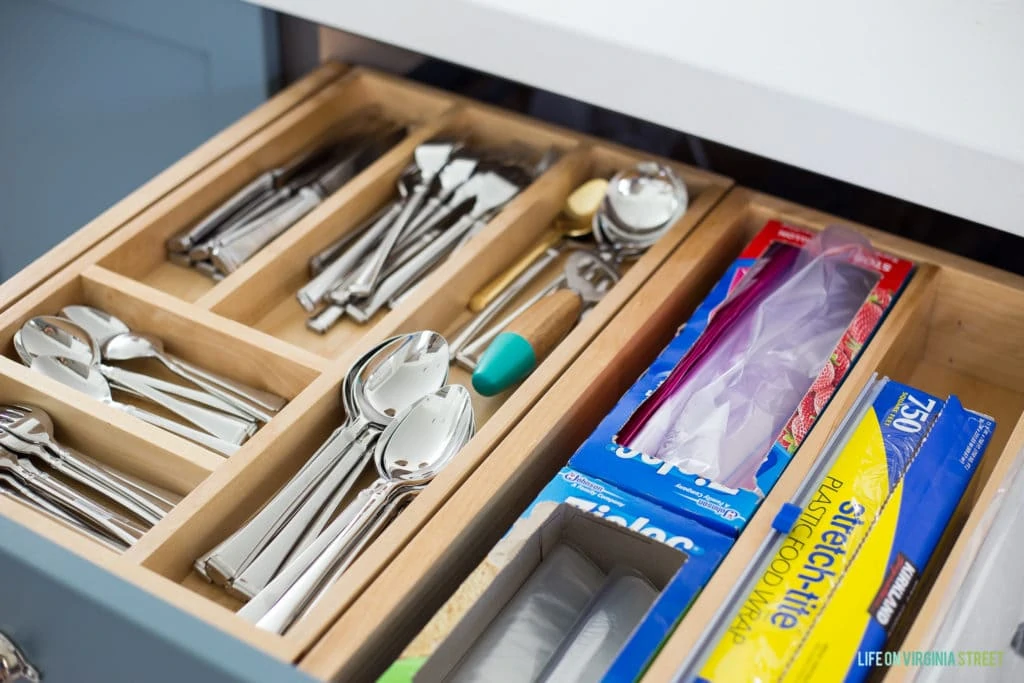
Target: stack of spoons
[
  {"x": 77, "y": 348},
  {"x": 400, "y": 415}
]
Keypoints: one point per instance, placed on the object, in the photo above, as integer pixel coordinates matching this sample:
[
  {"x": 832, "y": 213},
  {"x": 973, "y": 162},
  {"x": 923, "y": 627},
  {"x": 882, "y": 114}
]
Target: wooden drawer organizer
[
  {"x": 249, "y": 326},
  {"x": 131, "y": 206},
  {"x": 957, "y": 328}
]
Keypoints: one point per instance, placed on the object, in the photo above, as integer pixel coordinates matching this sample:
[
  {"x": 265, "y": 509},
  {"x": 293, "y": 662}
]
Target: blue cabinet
[
  {"x": 77, "y": 623},
  {"x": 100, "y": 95}
]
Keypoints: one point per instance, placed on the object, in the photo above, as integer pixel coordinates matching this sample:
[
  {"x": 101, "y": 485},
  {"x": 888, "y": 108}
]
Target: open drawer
[
  {"x": 250, "y": 327},
  {"x": 131, "y": 206},
  {"x": 955, "y": 329}
]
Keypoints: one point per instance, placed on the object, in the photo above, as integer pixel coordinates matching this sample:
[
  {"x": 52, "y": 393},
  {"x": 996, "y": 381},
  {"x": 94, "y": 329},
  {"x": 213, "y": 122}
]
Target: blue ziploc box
[
  {"x": 883, "y": 577},
  {"x": 703, "y": 547},
  {"x": 719, "y": 507},
  {"x": 711, "y": 503},
  {"x": 700, "y": 550}
]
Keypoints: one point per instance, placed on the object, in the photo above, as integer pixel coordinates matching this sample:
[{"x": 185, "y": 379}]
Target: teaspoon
[
  {"x": 50, "y": 335},
  {"x": 86, "y": 379},
  {"x": 104, "y": 328}
]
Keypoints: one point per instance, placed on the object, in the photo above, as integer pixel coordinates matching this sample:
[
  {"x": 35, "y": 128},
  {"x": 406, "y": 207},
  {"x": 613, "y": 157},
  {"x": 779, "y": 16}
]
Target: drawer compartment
[
  {"x": 265, "y": 296},
  {"x": 934, "y": 338},
  {"x": 139, "y": 251}
]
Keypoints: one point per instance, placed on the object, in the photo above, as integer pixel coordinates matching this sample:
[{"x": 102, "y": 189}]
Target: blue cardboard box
[{"x": 712, "y": 504}]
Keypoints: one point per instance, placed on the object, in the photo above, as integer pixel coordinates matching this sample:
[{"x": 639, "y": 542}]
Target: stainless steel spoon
[
  {"x": 378, "y": 387},
  {"x": 104, "y": 327},
  {"x": 411, "y": 452},
  {"x": 86, "y": 379},
  {"x": 132, "y": 345},
  {"x": 54, "y": 336}
]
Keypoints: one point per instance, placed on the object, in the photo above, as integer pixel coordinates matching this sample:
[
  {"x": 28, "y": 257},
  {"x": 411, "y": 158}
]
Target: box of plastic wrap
[{"x": 838, "y": 581}]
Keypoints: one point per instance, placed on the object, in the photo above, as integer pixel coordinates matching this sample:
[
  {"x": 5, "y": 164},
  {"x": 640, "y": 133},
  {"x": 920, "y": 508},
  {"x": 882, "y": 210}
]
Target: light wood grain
[
  {"x": 202, "y": 338},
  {"x": 545, "y": 323},
  {"x": 158, "y": 187}
]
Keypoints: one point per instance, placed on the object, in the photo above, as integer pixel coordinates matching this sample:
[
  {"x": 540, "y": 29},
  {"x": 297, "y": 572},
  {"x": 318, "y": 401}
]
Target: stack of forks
[{"x": 109, "y": 506}]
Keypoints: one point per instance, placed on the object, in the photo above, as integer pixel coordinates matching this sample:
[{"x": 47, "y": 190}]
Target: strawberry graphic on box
[
  {"x": 619, "y": 453},
  {"x": 893, "y": 275}
]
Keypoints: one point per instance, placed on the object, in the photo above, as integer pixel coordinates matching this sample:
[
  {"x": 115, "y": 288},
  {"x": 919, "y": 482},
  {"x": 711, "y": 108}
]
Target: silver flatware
[
  {"x": 73, "y": 468},
  {"x": 35, "y": 425},
  {"x": 110, "y": 523},
  {"x": 430, "y": 158},
  {"x": 51, "y": 335},
  {"x": 230, "y": 257},
  {"x": 383, "y": 382},
  {"x": 88, "y": 380},
  {"x": 104, "y": 327},
  {"x": 410, "y": 453}
]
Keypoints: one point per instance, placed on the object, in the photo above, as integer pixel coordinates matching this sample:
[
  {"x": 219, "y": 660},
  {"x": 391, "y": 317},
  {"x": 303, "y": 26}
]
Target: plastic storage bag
[
  {"x": 601, "y": 632},
  {"x": 719, "y": 411}
]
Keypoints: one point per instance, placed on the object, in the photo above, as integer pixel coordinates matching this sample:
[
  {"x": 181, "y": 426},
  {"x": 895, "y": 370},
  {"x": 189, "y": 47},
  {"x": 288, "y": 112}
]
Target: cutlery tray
[
  {"x": 956, "y": 329},
  {"x": 250, "y": 327}
]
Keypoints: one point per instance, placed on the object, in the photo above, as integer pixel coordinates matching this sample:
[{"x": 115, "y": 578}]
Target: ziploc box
[
  {"x": 890, "y": 490},
  {"x": 868, "y": 603},
  {"x": 703, "y": 550},
  {"x": 715, "y": 505}
]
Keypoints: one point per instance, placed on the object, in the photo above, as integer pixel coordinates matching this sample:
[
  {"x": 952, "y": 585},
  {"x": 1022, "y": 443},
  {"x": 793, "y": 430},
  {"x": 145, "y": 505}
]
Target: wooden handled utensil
[{"x": 532, "y": 335}]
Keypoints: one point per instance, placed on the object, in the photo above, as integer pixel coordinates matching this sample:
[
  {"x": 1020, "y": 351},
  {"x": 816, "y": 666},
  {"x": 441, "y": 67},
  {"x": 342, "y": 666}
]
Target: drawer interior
[
  {"x": 936, "y": 337},
  {"x": 250, "y": 327},
  {"x": 143, "y": 256}
]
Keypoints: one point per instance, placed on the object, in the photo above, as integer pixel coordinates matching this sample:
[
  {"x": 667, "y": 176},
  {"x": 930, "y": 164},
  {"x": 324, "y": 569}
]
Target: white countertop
[{"x": 920, "y": 99}]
